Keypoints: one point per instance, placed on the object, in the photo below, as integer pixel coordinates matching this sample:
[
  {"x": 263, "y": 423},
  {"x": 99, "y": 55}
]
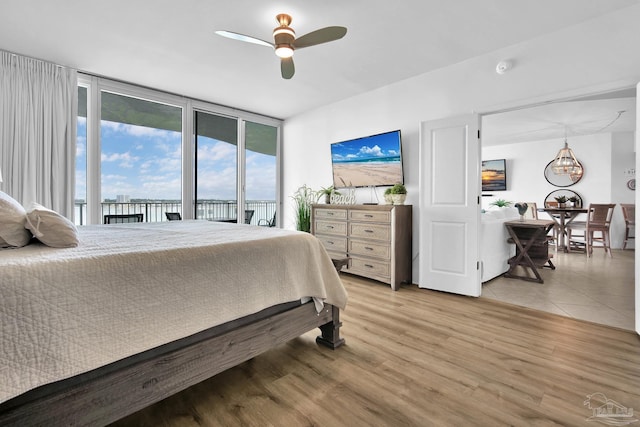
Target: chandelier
[{"x": 566, "y": 163}]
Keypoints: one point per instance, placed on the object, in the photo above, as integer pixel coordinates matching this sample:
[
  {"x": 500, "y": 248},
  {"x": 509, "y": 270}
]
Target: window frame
[{"x": 96, "y": 85}]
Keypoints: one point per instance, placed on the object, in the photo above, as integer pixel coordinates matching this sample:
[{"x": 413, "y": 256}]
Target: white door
[{"x": 449, "y": 205}]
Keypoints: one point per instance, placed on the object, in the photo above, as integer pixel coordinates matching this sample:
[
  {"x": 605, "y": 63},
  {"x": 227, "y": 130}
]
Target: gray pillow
[
  {"x": 51, "y": 228},
  {"x": 12, "y": 221}
]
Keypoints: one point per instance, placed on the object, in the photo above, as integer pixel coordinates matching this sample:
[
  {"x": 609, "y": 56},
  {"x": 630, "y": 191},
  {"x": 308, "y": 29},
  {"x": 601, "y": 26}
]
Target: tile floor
[{"x": 598, "y": 289}]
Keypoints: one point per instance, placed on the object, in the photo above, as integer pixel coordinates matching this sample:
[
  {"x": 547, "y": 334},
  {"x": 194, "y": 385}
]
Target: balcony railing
[{"x": 154, "y": 211}]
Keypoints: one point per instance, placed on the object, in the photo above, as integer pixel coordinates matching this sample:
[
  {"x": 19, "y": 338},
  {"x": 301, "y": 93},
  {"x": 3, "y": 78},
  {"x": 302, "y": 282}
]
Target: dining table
[{"x": 563, "y": 216}]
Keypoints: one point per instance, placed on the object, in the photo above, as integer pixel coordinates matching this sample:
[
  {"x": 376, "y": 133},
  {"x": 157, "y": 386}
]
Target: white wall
[
  {"x": 604, "y": 157},
  {"x": 595, "y": 56}
]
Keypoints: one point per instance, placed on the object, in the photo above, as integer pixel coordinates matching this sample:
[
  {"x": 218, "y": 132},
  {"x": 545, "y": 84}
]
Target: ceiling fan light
[
  {"x": 284, "y": 30},
  {"x": 284, "y": 51}
]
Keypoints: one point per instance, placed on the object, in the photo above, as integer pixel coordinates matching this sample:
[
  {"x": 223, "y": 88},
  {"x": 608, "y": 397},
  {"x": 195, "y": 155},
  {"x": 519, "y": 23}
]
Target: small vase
[
  {"x": 388, "y": 199},
  {"x": 521, "y": 217},
  {"x": 398, "y": 199},
  {"x": 562, "y": 205}
]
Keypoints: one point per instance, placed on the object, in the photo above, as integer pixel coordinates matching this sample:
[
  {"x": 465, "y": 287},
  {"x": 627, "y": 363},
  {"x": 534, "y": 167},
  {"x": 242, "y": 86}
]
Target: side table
[{"x": 532, "y": 252}]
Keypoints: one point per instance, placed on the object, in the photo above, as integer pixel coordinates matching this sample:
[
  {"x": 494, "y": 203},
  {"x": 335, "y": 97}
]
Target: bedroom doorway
[{"x": 589, "y": 123}]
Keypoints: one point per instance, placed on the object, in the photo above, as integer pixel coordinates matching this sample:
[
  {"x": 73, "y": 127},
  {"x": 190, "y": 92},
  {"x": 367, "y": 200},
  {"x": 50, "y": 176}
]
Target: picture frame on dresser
[{"x": 375, "y": 238}]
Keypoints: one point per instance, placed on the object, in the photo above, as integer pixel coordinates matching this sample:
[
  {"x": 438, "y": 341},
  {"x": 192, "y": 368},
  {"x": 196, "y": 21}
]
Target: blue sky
[
  {"x": 372, "y": 147},
  {"x": 143, "y": 162}
]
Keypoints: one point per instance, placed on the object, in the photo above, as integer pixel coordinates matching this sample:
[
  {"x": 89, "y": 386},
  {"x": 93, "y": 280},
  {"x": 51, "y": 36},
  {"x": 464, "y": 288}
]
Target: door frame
[{"x": 575, "y": 96}]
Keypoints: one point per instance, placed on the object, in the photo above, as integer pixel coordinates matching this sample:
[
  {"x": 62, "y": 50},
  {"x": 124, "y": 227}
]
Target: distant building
[{"x": 123, "y": 198}]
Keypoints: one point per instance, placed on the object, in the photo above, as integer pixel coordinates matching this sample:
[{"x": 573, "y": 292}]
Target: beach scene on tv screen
[{"x": 367, "y": 161}]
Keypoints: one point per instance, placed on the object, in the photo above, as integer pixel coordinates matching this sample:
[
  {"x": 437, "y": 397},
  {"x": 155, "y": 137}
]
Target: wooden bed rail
[{"x": 106, "y": 395}]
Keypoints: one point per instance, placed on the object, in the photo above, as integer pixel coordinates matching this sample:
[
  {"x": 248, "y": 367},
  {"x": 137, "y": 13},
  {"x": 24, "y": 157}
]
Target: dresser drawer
[
  {"x": 370, "y": 268},
  {"x": 373, "y": 216},
  {"x": 370, "y": 231},
  {"x": 369, "y": 249},
  {"x": 331, "y": 227},
  {"x": 334, "y": 243},
  {"x": 330, "y": 213}
]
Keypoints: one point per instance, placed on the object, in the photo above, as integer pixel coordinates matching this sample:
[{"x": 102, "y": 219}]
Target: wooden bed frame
[{"x": 114, "y": 391}]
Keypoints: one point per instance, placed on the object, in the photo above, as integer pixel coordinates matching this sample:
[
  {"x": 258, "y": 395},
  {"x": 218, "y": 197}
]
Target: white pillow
[
  {"x": 12, "y": 220},
  {"x": 51, "y": 228}
]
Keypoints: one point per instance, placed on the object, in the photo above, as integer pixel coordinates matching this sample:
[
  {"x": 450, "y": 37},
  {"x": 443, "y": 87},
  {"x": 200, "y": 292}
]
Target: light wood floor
[
  {"x": 420, "y": 358},
  {"x": 599, "y": 288}
]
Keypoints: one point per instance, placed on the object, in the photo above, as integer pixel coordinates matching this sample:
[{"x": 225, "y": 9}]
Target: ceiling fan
[{"x": 285, "y": 41}]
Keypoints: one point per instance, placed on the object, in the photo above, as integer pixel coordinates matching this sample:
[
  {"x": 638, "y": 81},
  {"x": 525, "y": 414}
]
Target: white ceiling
[
  {"x": 171, "y": 45},
  {"x": 606, "y": 113}
]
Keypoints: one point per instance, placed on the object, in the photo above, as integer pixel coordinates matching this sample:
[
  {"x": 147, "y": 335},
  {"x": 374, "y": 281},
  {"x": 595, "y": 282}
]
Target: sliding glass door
[
  {"x": 216, "y": 166},
  {"x": 141, "y": 157},
  {"x": 141, "y": 151},
  {"x": 261, "y": 149},
  {"x": 80, "y": 203}
]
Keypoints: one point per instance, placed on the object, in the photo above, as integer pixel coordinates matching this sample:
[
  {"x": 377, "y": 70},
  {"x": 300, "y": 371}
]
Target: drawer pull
[
  {"x": 368, "y": 216},
  {"x": 368, "y": 231},
  {"x": 329, "y": 242},
  {"x": 330, "y": 227},
  {"x": 368, "y": 248},
  {"x": 368, "y": 265},
  {"x": 329, "y": 213}
]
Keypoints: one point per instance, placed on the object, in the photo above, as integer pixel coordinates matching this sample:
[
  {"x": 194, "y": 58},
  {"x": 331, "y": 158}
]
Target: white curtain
[{"x": 38, "y": 113}]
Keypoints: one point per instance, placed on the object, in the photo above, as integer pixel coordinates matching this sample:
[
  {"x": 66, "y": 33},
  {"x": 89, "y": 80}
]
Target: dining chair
[
  {"x": 629, "y": 213},
  {"x": 598, "y": 221},
  {"x": 553, "y": 237}
]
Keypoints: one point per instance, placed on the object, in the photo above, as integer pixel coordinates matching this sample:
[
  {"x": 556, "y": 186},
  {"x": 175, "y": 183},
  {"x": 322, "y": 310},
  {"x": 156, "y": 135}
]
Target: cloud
[
  {"x": 126, "y": 159},
  {"x": 81, "y": 146},
  {"x": 217, "y": 151},
  {"x": 371, "y": 151}
]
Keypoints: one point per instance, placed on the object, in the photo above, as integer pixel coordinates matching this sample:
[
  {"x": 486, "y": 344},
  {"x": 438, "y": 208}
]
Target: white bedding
[{"x": 127, "y": 288}]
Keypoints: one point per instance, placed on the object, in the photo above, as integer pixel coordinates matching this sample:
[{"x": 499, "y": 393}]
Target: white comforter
[{"x": 131, "y": 287}]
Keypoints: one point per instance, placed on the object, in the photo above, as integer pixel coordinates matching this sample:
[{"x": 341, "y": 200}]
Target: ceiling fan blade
[
  {"x": 287, "y": 68},
  {"x": 243, "y": 38},
  {"x": 320, "y": 36}
]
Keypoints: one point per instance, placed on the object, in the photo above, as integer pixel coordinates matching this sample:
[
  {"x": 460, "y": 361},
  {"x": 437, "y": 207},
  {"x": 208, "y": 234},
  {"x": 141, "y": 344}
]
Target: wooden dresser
[{"x": 377, "y": 238}]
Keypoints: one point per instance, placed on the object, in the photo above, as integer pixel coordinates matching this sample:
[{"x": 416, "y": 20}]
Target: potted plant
[
  {"x": 501, "y": 203},
  {"x": 387, "y": 196},
  {"x": 562, "y": 200},
  {"x": 575, "y": 201},
  {"x": 398, "y": 194},
  {"x": 327, "y": 192},
  {"x": 303, "y": 198}
]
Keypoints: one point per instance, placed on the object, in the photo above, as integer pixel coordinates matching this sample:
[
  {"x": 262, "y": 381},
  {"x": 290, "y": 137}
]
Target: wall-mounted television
[
  {"x": 494, "y": 175},
  {"x": 374, "y": 160}
]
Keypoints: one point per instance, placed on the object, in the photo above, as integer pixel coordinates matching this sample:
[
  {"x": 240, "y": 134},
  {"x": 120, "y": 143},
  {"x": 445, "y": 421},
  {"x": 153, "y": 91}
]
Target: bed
[{"x": 138, "y": 312}]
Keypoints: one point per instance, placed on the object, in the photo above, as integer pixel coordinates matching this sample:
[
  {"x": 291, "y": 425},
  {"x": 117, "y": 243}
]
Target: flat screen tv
[
  {"x": 494, "y": 175},
  {"x": 374, "y": 160}
]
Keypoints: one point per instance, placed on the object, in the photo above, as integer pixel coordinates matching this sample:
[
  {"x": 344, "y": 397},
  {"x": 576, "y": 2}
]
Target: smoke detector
[{"x": 503, "y": 67}]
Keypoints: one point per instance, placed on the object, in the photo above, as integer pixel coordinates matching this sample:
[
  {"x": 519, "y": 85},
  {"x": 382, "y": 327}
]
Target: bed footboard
[{"x": 106, "y": 395}]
